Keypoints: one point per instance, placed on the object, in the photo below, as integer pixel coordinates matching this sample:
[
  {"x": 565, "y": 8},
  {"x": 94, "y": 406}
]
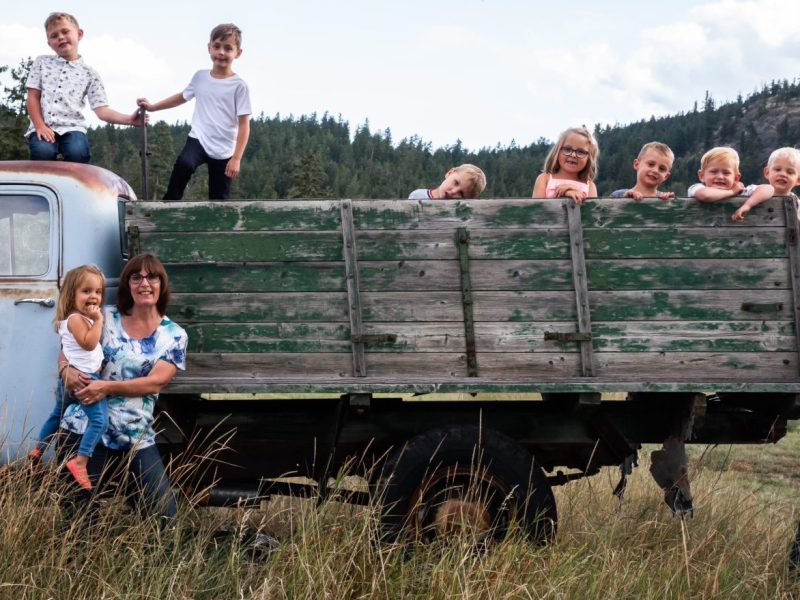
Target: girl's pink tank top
[{"x": 553, "y": 183}]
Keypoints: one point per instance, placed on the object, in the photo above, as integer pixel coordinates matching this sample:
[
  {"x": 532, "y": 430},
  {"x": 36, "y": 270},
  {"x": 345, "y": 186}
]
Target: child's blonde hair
[
  {"x": 789, "y": 153},
  {"x": 476, "y": 176},
  {"x": 589, "y": 172},
  {"x": 659, "y": 147},
  {"x": 55, "y": 17},
  {"x": 72, "y": 280},
  {"x": 226, "y": 30},
  {"x": 721, "y": 153}
]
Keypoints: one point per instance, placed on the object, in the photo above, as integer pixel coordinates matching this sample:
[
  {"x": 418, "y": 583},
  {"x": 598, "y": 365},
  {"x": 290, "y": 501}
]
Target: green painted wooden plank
[
  {"x": 679, "y": 212},
  {"x": 643, "y": 336},
  {"x": 546, "y": 306},
  {"x": 321, "y": 307},
  {"x": 229, "y": 247},
  {"x": 779, "y": 366},
  {"x": 246, "y": 307},
  {"x": 322, "y": 337},
  {"x": 751, "y": 242},
  {"x": 254, "y": 215},
  {"x": 298, "y": 387},
  {"x": 632, "y": 336},
  {"x": 632, "y": 274},
  {"x": 523, "y": 213},
  {"x": 659, "y": 305},
  {"x": 689, "y": 242},
  {"x": 257, "y": 277}
]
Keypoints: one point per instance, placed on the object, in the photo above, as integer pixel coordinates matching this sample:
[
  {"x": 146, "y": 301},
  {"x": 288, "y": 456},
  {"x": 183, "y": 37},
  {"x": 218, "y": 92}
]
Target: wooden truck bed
[{"x": 479, "y": 296}]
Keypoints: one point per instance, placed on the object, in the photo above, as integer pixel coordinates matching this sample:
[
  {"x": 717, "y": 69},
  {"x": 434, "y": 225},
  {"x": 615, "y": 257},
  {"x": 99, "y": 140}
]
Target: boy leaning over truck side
[
  {"x": 221, "y": 119},
  {"x": 782, "y": 173},
  {"x": 463, "y": 181},
  {"x": 720, "y": 179},
  {"x": 653, "y": 167},
  {"x": 58, "y": 87}
]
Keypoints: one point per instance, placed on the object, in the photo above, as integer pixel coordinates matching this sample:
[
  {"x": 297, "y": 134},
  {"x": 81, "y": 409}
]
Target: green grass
[{"x": 735, "y": 547}]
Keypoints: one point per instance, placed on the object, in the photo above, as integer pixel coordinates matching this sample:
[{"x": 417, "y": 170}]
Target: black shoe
[{"x": 679, "y": 505}]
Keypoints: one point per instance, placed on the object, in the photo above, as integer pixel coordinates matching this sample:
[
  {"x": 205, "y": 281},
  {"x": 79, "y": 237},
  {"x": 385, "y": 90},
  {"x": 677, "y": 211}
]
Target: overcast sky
[{"x": 484, "y": 72}]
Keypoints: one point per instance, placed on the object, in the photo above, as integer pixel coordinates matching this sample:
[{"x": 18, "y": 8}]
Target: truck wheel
[{"x": 446, "y": 480}]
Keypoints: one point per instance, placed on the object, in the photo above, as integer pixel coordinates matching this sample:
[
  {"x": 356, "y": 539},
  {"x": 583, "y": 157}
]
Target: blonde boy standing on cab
[
  {"x": 58, "y": 87},
  {"x": 221, "y": 119}
]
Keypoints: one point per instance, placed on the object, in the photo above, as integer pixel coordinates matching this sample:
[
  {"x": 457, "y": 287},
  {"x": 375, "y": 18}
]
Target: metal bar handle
[{"x": 46, "y": 302}]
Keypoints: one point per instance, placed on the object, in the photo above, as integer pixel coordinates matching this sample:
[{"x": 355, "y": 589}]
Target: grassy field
[{"x": 735, "y": 547}]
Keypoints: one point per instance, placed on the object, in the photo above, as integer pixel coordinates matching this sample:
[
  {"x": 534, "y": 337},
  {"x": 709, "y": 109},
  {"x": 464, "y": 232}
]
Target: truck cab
[{"x": 54, "y": 216}]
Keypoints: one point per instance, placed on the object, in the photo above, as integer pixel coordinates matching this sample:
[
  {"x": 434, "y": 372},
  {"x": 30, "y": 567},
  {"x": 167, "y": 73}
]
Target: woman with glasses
[
  {"x": 570, "y": 167},
  {"x": 143, "y": 351}
]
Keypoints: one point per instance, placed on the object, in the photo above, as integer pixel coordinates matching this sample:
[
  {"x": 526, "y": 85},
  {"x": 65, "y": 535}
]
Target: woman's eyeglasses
[
  {"x": 137, "y": 278},
  {"x": 577, "y": 152}
]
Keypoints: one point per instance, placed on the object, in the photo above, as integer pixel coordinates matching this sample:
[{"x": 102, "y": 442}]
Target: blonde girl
[
  {"x": 79, "y": 323},
  {"x": 570, "y": 168}
]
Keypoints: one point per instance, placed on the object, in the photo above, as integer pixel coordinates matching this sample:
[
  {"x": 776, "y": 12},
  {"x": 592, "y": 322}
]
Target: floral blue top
[{"x": 130, "y": 419}]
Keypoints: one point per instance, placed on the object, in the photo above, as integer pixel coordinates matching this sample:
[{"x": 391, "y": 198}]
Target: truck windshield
[{"x": 24, "y": 235}]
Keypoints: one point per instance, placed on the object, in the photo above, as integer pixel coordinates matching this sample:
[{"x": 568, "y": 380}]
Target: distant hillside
[{"x": 313, "y": 156}]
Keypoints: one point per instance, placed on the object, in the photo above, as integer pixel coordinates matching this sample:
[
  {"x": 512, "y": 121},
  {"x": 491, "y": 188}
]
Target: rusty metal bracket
[
  {"x": 762, "y": 307},
  {"x": 568, "y": 336},
  {"x": 134, "y": 241},
  {"x": 462, "y": 244},
  {"x": 374, "y": 338}
]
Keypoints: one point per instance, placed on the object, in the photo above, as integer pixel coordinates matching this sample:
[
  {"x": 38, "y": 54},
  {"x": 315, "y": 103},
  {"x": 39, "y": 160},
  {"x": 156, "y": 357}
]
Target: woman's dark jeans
[{"x": 142, "y": 472}]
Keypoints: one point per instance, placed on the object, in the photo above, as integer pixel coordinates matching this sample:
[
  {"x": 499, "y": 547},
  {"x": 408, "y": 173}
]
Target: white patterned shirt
[{"x": 65, "y": 85}]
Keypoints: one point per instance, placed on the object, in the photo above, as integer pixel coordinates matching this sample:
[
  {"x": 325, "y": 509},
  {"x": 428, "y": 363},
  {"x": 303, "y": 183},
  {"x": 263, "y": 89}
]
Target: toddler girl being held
[
  {"x": 570, "y": 167},
  {"x": 79, "y": 322}
]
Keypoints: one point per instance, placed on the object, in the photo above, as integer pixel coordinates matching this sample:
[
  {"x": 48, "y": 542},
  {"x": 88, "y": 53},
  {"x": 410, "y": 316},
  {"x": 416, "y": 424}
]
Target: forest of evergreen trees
[{"x": 315, "y": 156}]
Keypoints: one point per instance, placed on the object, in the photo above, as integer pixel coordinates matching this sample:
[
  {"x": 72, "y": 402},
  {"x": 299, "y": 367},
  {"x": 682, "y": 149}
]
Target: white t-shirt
[
  {"x": 218, "y": 105},
  {"x": 88, "y": 361}
]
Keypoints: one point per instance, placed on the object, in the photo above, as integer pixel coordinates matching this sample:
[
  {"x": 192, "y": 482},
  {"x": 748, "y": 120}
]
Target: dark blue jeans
[
  {"x": 73, "y": 147},
  {"x": 192, "y": 156},
  {"x": 141, "y": 474},
  {"x": 96, "y": 413}
]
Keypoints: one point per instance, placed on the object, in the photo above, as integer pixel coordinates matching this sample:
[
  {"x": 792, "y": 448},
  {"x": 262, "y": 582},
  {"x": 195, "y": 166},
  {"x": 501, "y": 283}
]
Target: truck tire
[{"x": 449, "y": 479}]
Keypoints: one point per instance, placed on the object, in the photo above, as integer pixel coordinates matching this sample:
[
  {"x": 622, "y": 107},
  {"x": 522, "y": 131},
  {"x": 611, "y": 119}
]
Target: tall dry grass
[{"x": 735, "y": 547}]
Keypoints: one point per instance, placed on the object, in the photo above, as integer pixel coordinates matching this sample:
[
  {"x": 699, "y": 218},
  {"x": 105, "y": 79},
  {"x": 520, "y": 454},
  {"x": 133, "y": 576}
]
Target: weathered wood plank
[
  {"x": 523, "y": 213},
  {"x": 661, "y": 305},
  {"x": 186, "y": 383},
  {"x": 635, "y": 274},
  {"x": 781, "y": 366},
  {"x": 631, "y": 336},
  {"x": 519, "y": 307},
  {"x": 659, "y": 243},
  {"x": 251, "y": 215},
  {"x": 688, "y": 242},
  {"x": 258, "y": 277},
  {"x": 778, "y": 366}
]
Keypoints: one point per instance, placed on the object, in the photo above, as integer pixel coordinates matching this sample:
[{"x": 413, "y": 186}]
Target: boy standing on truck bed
[
  {"x": 652, "y": 166},
  {"x": 221, "y": 119},
  {"x": 58, "y": 87},
  {"x": 463, "y": 181}
]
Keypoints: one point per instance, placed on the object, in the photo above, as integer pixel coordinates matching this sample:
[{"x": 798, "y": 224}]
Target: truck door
[{"x": 29, "y": 270}]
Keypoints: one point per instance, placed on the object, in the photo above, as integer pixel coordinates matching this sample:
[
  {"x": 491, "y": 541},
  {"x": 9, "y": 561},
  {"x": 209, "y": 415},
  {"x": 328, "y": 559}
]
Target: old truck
[{"x": 470, "y": 352}]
